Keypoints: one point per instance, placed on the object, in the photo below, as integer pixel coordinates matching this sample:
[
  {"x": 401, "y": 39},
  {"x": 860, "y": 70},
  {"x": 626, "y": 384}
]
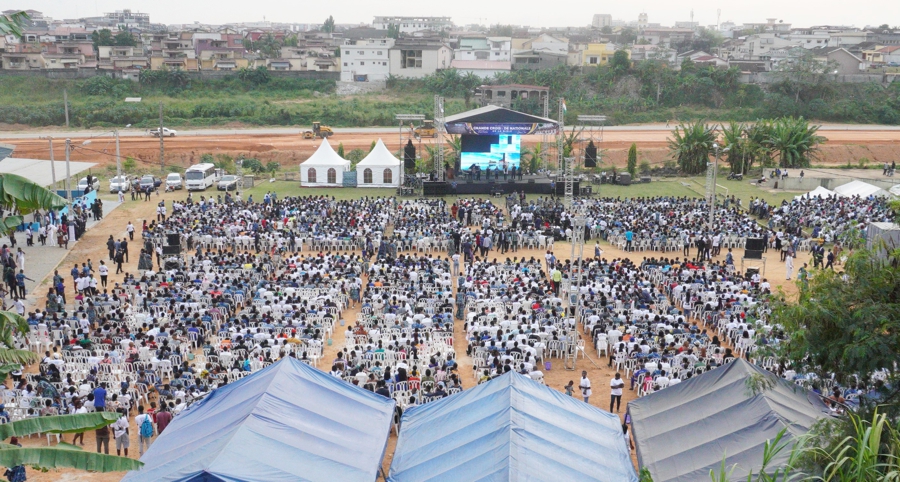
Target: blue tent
[
  {"x": 511, "y": 428},
  {"x": 288, "y": 422}
]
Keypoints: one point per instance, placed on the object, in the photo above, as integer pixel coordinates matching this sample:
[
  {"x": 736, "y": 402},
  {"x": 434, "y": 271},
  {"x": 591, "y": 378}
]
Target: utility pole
[
  {"x": 162, "y": 149},
  {"x": 68, "y": 175},
  {"x": 118, "y": 159},
  {"x": 52, "y": 164},
  {"x": 66, "y": 105}
]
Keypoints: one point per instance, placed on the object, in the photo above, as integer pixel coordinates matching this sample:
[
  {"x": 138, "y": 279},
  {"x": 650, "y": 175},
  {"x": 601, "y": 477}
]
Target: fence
[{"x": 193, "y": 74}]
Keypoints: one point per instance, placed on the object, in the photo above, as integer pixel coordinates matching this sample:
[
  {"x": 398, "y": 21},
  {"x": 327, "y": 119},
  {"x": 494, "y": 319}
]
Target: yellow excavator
[
  {"x": 318, "y": 130},
  {"x": 426, "y": 129}
]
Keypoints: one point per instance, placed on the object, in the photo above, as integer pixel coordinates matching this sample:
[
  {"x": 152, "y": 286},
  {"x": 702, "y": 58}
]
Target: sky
[{"x": 527, "y": 12}]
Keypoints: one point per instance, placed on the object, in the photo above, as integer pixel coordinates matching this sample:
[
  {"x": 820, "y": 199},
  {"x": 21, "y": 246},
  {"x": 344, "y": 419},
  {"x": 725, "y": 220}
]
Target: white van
[{"x": 173, "y": 181}]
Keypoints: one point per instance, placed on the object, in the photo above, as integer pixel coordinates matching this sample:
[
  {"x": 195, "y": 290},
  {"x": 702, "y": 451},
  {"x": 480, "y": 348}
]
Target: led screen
[{"x": 491, "y": 152}]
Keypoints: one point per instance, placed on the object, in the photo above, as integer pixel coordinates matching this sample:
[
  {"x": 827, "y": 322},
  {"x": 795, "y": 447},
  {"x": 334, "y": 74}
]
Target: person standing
[
  {"x": 104, "y": 273},
  {"x": 788, "y": 265},
  {"x": 163, "y": 418},
  {"x": 100, "y": 397},
  {"x": 111, "y": 247},
  {"x": 585, "y": 386},
  {"x": 102, "y": 433},
  {"x": 130, "y": 230},
  {"x": 20, "y": 283},
  {"x": 615, "y": 392},
  {"x": 20, "y": 259},
  {"x": 145, "y": 426},
  {"x": 124, "y": 245},
  {"x": 120, "y": 258},
  {"x": 120, "y": 432}
]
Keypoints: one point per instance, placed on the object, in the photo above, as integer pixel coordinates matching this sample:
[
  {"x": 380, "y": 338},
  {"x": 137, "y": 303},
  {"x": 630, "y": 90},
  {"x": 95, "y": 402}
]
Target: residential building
[
  {"x": 366, "y": 60},
  {"x": 838, "y": 58},
  {"x": 538, "y": 59},
  {"x": 174, "y": 50},
  {"x": 763, "y": 46},
  {"x": 129, "y": 19},
  {"x": 643, "y": 21},
  {"x": 601, "y": 20},
  {"x": 219, "y": 51},
  {"x": 593, "y": 55},
  {"x": 809, "y": 38},
  {"x": 890, "y": 55},
  {"x": 640, "y": 53},
  {"x": 666, "y": 37},
  {"x": 121, "y": 58},
  {"x": 413, "y": 24},
  {"x": 506, "y": 95},
  {"x": 417, "y": 58},
  {"x": 482, "y": 68},
  {"x": 480, "y": 47},
  {"x": 548, "y": 43}
]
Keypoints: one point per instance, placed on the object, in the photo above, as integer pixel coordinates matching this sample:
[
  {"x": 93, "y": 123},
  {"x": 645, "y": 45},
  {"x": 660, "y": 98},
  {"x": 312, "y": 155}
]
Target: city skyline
[{"x": 577, "y": 14}]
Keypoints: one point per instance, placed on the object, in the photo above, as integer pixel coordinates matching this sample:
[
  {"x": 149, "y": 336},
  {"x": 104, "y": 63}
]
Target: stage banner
[{"x": 494, "y": 129}]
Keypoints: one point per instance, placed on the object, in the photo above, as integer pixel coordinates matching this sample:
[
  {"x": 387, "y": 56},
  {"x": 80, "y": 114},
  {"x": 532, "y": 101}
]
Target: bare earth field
[{"x": 841, "y": 147}]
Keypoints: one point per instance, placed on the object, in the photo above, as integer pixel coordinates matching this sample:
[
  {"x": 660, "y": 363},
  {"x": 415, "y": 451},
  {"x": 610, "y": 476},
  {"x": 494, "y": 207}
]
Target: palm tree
[
  {"x": 691, "y": 145},
  {"x": 62, "y": 455},
  {"x": 733, "y": 138},
  {"x": 535, "y": 156},
  {"x": 795, "y": 141}
]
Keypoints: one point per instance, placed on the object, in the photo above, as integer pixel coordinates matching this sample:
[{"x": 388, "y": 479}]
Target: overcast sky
[{"x": 528, "y": 12}]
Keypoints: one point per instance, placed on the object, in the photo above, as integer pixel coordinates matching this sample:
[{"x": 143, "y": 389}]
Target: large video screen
[{"x": 490, "y": 152}]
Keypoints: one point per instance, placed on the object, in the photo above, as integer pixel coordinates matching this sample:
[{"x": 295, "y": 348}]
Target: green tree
[
  {"x": 620, "y": 64},
  {"x": 393, "y": 31},
  {"x": 372, "y": 147},
  {"x": 795, "y": 141},
  {"x": 733, "y": 138},
  {"x": 328, "y": 26},
  {"x": 606, "y": 30},
  {"x": 340, "y": 149},
  {"x": 691, "y": 145},
  {"x": 124, "y": 39},
  {"x": 273, "y": 166},
  {"x": 102, "y": 38},
  {"x": 847, "y": 325},
  {"x": 632, "y": 160},
  {"x": 257, "y": 76},
  {"x": 253, "y": 165}
]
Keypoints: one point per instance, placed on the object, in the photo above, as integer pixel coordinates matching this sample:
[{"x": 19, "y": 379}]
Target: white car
[
  {"x": 228, "y": 183},
  {"x": 122, "y": 183},
  {"x": 174, "y": 181},
  {"x": 166, "y": 132},
  {"x": 83, "y": 184}
]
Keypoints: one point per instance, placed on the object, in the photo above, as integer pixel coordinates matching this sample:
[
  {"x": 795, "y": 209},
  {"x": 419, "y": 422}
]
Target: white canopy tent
[
  {"x": 379, "y": 169},
  {"x": 861, "y": 189},
  {"x": 895, "y": 190},
  {"x": 324, "y": 168},
  {"x": 819, "y": 192},
  {"x": 41, "y": 172}
]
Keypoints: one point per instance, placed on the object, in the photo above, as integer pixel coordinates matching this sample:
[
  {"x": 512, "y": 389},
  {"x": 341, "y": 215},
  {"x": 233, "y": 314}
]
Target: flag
[{"x": 564, "y": 106}]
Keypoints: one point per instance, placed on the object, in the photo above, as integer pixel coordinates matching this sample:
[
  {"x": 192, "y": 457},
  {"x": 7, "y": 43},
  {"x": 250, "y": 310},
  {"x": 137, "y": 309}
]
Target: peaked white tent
[
  {"x": 861, "y": 189},
  {"x": 324, "y": 168},
  {"x": 819, "y": 192},
  {"x": 379, "y": 169},
  {"x": 895, "y": 190}
]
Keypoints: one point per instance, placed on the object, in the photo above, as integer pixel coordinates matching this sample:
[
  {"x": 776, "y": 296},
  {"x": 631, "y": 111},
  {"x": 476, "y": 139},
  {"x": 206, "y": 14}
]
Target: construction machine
[
  {"x": 318, "y": 130},
  {"x": 426, "y": 129}
]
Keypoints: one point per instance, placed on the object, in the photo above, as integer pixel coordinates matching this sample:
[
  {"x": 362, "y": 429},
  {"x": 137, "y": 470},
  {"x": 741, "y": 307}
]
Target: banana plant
[
  {"x": 62, "y": 455},
  {"x": 19, "y": 193}
]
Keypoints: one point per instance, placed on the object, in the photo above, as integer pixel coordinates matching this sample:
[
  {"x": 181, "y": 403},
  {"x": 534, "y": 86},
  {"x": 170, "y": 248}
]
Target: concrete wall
[
  {"x": 794, "y": 183},
  {"x": 201, "y": 75},
  {"x": 772, "y": 77}
]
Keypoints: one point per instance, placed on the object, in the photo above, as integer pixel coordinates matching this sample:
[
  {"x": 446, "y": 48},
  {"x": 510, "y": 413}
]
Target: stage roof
[
  {"x": 39, "y": 172},
  {"x": 496, "y": 115}
]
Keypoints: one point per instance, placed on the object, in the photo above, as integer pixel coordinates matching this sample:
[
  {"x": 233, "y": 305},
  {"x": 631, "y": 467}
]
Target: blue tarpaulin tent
[
  {"x": 287, "y": 422},
  {"x": 511, "y": 428}
]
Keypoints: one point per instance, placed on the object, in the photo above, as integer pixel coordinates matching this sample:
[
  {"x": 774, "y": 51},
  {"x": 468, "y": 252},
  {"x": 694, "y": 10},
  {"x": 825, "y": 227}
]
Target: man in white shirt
[
  {"x": 615, "y": 392},
  {"x": 139, "y": 420},
  {"x": 120, "y": 432},
  {"x": 585, "y": 386}
]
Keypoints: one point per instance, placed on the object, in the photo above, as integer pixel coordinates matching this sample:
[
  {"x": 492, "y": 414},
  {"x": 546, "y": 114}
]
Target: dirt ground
[
  {"x": 93, "y": 246},
  {"x": 840, "y": 148}
]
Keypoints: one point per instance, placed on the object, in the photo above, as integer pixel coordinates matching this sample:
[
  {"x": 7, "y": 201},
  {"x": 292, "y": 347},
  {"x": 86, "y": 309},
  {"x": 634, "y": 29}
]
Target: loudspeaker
[
  {"x": 409, "y": 155},
  {"x": 171, "y": 250},
  {"x": 173, "y": 239},
  {"x": 561, "y": 188},
  {"x": 752, "y": 253},
  {"x": 623, "y": 179},
  {"x": 435, "y": 188},
  {"x": 755, "y": 244},
  {"x": 590, "y": 155}
]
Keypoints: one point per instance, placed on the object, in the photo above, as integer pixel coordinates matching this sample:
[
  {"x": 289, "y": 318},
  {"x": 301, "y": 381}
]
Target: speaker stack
[
  {"x": 753, "y": 249},
  {"x": 409, "y": 155},
  {"x": 590, "y": 155},
  {"x": 173, "y": 245}
]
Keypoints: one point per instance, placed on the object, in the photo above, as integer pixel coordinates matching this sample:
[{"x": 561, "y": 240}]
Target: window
[
  {"x": 367, "y": 176},
  {"x": 362, "y": 63},
  {"x": 332, "y": 176},
  {"x": 379, "y": 52},
  {"x": 592, "y": 60},
  {"x": 311, "y": 175},
  {"x": 410, "y": 59},
  {"x": 384, "y": 63},
  {"x": 346, "y": 52},
  {"x": 345, "y": 64},
  {"x": 388, "y": 176}
]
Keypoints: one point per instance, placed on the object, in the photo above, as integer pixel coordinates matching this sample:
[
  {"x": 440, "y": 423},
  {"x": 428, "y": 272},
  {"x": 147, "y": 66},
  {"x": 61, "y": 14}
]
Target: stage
[{"x": 530, "y": 184}]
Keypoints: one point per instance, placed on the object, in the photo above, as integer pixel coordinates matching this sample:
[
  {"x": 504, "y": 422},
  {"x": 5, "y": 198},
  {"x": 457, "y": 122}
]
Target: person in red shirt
[{"x": 163, "y": 418}]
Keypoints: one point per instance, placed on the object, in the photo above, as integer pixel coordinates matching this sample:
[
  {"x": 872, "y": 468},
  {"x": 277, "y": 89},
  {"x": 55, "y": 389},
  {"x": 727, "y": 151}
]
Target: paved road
[{"x": 62, "y": 134}]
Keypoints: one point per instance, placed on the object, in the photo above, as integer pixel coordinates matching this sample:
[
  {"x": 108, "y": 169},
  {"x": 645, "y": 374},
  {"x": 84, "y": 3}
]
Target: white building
[
  {"x": 366, "y": 60},
  {"x": 414, "y": 58},
  {"x": 483, "y": 48},
  {"x": 413, "y": 24},
  {"x": 601, "y": 20}
]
